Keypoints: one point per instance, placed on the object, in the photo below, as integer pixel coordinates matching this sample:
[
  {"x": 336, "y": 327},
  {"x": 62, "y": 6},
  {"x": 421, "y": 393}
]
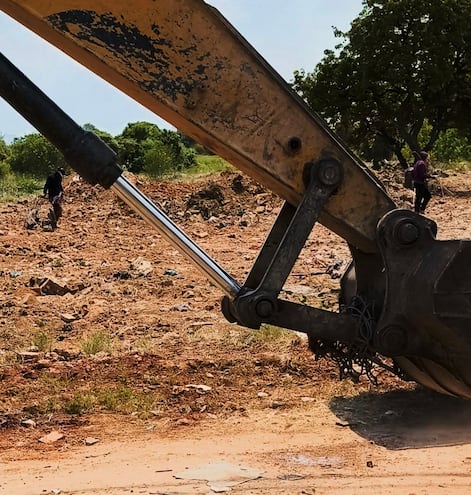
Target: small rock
[
  {"x": 52, "y": 437},
  {"x": 49, "y": 287},
  {"x": 262, "y": 394},
  {"x": 170, "y": 272},
  {"x": 28, "y": 356},
  {"x": 28, "y": 423},
  {"x": 141, "y": 266},
  {"x": 180, "y": 307},
  {"x": 219, "y": 488},
  {"x": 204, "y": 388},
  {"x": 68, "y": 318},
  {"x": 91, "y": 440}
]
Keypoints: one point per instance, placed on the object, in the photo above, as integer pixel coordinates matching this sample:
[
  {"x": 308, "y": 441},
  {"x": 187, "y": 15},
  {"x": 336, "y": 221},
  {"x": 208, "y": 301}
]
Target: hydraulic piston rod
[{"x": 157, "y": 218}]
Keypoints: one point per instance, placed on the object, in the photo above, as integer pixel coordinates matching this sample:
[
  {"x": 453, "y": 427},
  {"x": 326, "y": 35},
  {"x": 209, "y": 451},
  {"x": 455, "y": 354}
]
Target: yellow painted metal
[{"x": 185, "y": 62}]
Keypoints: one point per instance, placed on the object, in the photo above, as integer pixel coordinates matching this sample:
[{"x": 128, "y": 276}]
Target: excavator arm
[{"x": 406, "y": 295}]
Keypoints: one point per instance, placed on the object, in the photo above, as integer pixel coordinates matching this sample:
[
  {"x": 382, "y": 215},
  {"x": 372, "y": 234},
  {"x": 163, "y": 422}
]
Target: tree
[
  {"x": 403, "y": 63},
  {"x": 143, "y": 147},
  {"x": 106, "y": 137},
  {"x": 133, "y": 142},
  {"x": 34, "y": 155},
  {"x": 451, "y": 147}
]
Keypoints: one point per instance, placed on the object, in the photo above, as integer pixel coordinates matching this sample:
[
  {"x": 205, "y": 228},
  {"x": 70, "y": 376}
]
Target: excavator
[{"x": 404, "y": 299}]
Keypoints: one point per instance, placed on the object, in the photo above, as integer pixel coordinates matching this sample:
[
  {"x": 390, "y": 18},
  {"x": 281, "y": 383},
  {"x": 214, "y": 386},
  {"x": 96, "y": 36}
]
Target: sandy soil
[{"x": 118, "y": 374}]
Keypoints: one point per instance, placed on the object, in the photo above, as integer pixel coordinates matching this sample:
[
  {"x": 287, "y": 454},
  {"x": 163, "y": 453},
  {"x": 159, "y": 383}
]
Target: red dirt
[{"x": 177, "y": 386}]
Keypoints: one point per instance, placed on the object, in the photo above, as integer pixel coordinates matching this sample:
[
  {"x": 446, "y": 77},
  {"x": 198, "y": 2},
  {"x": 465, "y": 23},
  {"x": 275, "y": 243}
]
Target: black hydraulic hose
[{"x": 86, "y": 153}]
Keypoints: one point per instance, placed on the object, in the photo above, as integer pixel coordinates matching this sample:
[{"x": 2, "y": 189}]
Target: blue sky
[{"x": 290, "y": 35}]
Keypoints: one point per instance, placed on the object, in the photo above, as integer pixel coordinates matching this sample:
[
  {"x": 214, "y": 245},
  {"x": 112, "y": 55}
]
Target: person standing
[
  {"x": 54, "y": 191},
  {"x": 419, "y": 178}
]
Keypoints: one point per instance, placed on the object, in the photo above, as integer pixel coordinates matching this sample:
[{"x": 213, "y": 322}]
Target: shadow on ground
[{"x": 406, "y": 419}]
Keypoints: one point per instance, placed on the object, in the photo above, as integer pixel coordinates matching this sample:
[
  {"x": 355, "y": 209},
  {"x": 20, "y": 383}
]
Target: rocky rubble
[{"x": 103, "y": 315}]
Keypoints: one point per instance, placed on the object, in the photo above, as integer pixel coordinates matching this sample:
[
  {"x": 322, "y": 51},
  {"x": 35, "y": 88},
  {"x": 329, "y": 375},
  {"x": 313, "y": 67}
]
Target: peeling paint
[{"x": 151, "y": 55}]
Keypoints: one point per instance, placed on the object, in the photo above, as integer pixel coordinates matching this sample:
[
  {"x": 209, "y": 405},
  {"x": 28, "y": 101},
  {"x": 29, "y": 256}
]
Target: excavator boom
[{"x": 184, "y": 61}]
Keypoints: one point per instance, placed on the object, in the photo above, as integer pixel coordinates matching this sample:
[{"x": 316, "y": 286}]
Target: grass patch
[
  {"x": 14, "y": 187},
  {"x": 208, "y": 164},
  {"x": 123, "y": 400},
  {"x": 97, "y": 342},
  {"x": 120, "y": 399},
  {"x": 42, "y": 340},
  {"x": 80, "y": 403},
  {"x": 270, "y": 333}
]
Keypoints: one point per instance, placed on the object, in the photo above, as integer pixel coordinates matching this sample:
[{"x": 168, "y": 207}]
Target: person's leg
[
  {"x": 426, "y": 198},
  {"x": 418, "y": 197},
  {"x": 57, "y": 210}
]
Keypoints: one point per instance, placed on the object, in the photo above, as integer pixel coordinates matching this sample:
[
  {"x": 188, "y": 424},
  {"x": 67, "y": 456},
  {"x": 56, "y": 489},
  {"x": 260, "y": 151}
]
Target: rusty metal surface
[{"x": 185, "y": 62}]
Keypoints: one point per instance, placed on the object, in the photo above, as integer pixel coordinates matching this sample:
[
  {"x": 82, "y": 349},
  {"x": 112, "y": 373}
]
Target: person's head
[
  {"x": 61, "y": 171},
  {"x": 423, "y": 155}
]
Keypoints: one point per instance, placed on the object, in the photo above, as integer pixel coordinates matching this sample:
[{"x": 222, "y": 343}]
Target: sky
[{"x": 290, "y": 35}]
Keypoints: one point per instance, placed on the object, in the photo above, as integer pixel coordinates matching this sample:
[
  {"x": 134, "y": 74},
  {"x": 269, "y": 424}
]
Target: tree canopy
[
  {"x": 34, "y": 155},
  {"x": 402, "y": 65},
  {"x": 141, "y": 147}
]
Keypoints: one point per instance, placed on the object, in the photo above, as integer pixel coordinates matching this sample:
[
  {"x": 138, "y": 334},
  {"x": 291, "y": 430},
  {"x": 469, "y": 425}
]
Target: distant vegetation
[{"x": 142, "y": 148}]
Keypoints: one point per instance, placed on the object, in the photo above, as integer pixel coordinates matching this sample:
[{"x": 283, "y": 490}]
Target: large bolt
[
  {"x": 329, "y": 172},
  {"x": 406, "y": 232},
  {"x": 264, "y": 308}
]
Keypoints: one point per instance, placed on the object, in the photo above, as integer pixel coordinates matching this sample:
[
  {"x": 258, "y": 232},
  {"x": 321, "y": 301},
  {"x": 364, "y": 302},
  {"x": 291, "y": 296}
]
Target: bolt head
[{"x": 407, "y": 232}]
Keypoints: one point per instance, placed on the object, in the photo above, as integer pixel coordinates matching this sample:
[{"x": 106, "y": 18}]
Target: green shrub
[
  {"x": 42, "y": 339},
  {"x": 34, "y": 155},
  {"x": 452, "y": 147},
  {"x": 17, "y": 186}
]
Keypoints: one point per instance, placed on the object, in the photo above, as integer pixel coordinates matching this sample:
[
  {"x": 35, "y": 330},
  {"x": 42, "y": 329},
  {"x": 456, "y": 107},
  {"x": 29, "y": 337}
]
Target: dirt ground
[{"x": 119, "y": 374}]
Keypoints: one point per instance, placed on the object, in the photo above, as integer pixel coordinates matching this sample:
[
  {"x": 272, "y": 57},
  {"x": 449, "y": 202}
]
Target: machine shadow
[{"x": 406, "y": 419}]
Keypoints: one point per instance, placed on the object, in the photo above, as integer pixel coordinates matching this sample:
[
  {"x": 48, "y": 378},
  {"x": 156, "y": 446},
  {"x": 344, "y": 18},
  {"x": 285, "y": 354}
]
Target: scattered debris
[{"x": 203, "y": 388}]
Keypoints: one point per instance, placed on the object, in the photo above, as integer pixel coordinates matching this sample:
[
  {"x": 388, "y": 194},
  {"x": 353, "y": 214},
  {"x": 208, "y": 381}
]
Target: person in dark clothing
[
  {"x": 54, "y": 191},
  {"x": 420, "y": 177}
]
